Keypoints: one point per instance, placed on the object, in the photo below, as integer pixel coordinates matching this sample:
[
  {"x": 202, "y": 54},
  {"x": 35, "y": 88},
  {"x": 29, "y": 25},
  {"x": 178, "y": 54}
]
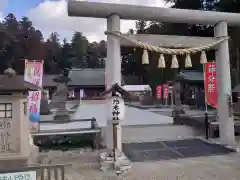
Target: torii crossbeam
[{"x": 114, "y": 12}]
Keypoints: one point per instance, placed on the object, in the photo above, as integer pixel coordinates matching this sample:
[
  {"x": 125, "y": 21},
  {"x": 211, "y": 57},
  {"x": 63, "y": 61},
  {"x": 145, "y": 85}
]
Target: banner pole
[
  {"x": 206, "y": 106},
  {"x": 205, "y": 94}
]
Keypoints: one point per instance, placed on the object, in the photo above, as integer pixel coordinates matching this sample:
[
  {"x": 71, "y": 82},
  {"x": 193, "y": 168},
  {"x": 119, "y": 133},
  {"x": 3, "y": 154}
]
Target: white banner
[
  {"x": 33, "y": 74},
  {"x": 81, "y": 93}
]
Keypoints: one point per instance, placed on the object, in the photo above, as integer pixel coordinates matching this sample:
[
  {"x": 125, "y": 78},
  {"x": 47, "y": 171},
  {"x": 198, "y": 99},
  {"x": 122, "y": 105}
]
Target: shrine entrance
[{"x": 171, "y": 45}]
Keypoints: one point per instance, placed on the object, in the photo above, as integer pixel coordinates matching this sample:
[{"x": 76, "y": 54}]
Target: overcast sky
[{"x": 51, "y": 16}]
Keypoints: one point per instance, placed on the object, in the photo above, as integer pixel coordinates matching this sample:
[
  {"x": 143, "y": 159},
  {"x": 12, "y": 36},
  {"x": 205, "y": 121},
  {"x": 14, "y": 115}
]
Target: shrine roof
[
  {"x": 61, "y": 79},
  {"x": 116, "y": 89},
  {"x": 9, "y": 82},
  {"x": 87, "y": 77},
  {"x": 190, "y": 76},
  {"x": 236, "y": 88},
  {"x": 47, "y": 79}
]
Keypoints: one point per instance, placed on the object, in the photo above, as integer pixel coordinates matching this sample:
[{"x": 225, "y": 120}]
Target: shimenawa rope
[{"x": 169, "y": 51}]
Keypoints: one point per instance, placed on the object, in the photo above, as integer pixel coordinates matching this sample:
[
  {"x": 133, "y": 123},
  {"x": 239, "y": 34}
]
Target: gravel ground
[
  {"x": 85, "y": 167},
  {"x": 85, "y": 164}
]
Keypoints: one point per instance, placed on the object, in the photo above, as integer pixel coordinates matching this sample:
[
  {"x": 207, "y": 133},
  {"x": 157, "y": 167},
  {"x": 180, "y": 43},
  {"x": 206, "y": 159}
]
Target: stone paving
[
  {"x": 85, "y": 164},
  {"x": 85, "y": 167}
]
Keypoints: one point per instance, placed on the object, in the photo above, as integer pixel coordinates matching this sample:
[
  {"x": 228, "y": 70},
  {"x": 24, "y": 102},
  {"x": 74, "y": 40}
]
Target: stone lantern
[
  {"x": 44, "y": 105},
  {"x": 15, "y": 147},
  {"x": 61, "y": 96}
]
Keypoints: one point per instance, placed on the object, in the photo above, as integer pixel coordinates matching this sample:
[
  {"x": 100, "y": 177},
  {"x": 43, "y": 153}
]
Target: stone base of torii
[
  {"x": 117, "y": 161},
  {"x": 113, "y": 158}
]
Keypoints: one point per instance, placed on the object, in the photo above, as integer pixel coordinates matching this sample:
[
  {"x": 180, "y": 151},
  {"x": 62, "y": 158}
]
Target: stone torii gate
[{"x": 114, "y": 12}]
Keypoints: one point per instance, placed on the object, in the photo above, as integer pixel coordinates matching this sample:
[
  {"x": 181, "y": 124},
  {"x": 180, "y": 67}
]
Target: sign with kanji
[
  {"x": 33, "y": 99},
  {"x": 159, "y": 91},
  {"x": 210, "y": 83},
  {"x": 27, "y": 175},
  {"x": 116, "y": 108},
  {"x": 165, "y": 91},
  {"x": 33, "y": 74}
]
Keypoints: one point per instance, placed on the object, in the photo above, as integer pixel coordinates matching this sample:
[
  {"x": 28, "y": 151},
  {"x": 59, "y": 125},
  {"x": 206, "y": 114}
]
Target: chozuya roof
[
  {"x": 115, "y": 88},
  {"x": 10, "y": 83}
]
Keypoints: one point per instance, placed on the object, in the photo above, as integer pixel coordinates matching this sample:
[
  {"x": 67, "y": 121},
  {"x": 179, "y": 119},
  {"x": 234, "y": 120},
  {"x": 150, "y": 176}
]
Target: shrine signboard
[
  {"x": 210, "y": 83},
  {"x": 116, "y": 108}
]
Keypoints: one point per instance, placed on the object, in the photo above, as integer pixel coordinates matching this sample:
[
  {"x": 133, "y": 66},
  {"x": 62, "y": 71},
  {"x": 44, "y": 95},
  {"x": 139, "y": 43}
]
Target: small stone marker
[{"x": 177, "y": 101}]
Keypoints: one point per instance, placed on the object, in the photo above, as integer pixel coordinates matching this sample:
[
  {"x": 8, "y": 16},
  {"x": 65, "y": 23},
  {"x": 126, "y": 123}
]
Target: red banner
[
  {"x": 210, "y": 82},
  {"x": 165, "y": 91},
  {"x": 159, "y": 91}
]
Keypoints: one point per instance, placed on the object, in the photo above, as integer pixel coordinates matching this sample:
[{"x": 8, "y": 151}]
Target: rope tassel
[
  {"x": 188, "y": 62},
  {"x": 174, "y": 62},
  {"x": 145, "y": 59},
  {"x": 203, "y": 58},
  {"x": 161, "y": 62}
]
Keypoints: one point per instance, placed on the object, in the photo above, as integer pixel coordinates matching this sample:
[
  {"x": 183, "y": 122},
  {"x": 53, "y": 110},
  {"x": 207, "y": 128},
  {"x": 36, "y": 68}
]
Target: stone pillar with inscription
[
  {"x": 15, "y": 147},
  {"x": 116, "y": 114},
  {"x": 177, "y": 101},
  {"x": 114, "y": 157}
]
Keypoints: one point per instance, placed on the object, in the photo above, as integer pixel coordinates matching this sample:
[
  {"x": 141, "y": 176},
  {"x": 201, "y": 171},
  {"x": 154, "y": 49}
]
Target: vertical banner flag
[
  {"x": 81, "y": 93},
  {"x": 165, "y": 91},
  {"x": 159, "y": 91},
  {"x": 33, "y": 74},
  {"x": 210, "y": 83}
]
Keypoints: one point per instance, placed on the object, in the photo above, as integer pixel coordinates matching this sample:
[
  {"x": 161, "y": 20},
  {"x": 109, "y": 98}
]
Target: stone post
[
  {"x": 177, "y": 102},
  {"x": 113, "y": 69},
  {"x": 224, "y": 109},
  {"x": 114, "y": 157}
]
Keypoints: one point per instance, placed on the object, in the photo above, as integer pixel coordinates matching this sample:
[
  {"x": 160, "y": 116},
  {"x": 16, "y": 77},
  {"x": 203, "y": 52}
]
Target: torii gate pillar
[
  {"x": 113, "y": 64},
  {"x": 113, "y": 69},
  {"x": 224, "y": 109}
]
